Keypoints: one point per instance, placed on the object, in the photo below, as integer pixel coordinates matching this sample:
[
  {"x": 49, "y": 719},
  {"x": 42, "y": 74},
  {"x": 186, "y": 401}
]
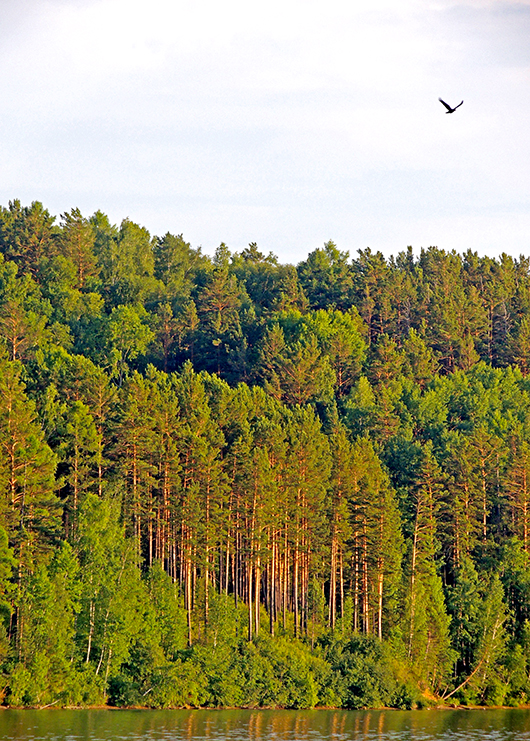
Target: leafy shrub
[
  {"x": 180, "y": 684},
  {"x": 365, "y": 675}
]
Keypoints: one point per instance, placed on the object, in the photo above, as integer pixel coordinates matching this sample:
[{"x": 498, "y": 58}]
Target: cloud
[{"x": 236, "y": 118}]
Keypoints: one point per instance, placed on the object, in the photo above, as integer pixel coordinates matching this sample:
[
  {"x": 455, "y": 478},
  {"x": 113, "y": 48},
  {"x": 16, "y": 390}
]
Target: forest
[{"x": 227, "y": 481}]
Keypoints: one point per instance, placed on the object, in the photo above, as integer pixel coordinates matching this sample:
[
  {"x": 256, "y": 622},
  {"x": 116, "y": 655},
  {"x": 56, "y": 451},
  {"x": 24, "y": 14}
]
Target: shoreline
[{"x": 266, "y": 708}]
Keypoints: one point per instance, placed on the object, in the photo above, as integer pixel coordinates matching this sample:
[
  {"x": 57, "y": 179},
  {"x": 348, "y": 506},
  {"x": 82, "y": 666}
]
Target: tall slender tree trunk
[
  {"x": 285, "y": 599},
  {"x": 341, "y": 573},
  {"x": 257, "y": 594},
  {"x": 272, "y": 586},
  {"x": 296, "y": 566},
  {"x": 250, "y": 605},
  {"x": 333, "y": 581},
  {"x": 366, "y": 604},
  {"x": 356, "y": 586},
  {"x": 380, "y": 579},
  {"x": 413, "y": 581}
]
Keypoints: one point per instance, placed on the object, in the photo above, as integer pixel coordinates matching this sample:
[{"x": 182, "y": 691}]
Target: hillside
[{"x": 228, "y": 481}]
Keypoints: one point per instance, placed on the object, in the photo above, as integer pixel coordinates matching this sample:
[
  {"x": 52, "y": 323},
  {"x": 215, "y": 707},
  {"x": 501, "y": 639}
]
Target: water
[{"x": 264, "y": 725}]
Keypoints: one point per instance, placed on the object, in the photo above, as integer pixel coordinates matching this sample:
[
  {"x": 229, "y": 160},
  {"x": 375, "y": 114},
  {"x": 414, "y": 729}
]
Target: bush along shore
[{"x": 231, "y": 482}]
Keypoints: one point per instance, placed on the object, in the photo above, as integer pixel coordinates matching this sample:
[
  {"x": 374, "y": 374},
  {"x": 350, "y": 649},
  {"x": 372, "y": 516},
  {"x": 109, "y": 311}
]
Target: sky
[{"x": 286, "y": 123}]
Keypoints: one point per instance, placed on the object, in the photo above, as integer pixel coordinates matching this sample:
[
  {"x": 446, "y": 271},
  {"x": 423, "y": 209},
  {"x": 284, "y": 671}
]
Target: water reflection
[{"x": 264, "y": 725}]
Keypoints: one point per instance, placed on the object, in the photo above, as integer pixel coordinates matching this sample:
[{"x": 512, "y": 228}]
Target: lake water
[{"x": 264, "y": 725}]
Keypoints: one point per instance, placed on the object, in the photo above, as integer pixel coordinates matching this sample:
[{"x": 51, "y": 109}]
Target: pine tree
[
  {"x": 371, "y": 275},
  {"x": 135, "y": 450},
  {"x": 127, "y": 261},
  {"x": 77, "y": 244},
  {"x": 340, "y": 336},
  {"x": 204, "y": 489},
  {"x": 30, "y": 509},
  {"x": 23, "y": 313},
  {"x": 177, "y": 265},
  {"x": 28, "y": 236},
  {"x": 295, "y": 372},
  {"x": 517, "y": 492},
  {"x": 218, "y": 307},
  {"x": 465, "y": 504},
  {"x": 426, "y": 618},
  {"x": 166, "y": 438},
  {"x": 376, "y": 543},
  {"x": 308, "y": 467},
  {"x": 342, "y": 490},
  {"x": 79, "y": 449},
  {"x": 326, "y": 278}
]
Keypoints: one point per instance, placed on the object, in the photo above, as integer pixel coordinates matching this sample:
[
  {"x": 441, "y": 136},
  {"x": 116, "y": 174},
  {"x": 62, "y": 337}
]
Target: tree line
[{"x": 228, "y": 481}]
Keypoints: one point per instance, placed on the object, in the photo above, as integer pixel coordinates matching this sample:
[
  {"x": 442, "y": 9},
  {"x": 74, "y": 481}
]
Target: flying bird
[{"x": 449, "y": 109}]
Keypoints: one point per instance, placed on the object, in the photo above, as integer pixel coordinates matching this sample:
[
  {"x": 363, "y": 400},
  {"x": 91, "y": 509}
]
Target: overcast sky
[{"x": 281, "y": 122}]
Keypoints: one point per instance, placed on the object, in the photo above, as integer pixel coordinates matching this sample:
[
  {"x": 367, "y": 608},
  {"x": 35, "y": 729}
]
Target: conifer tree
[
  {"x": 295, "y": 372},
  {"x": 27, "y": 236},
  {"x": 218, "y": 305},
  {"x": 420, "y": 361},
  {"x": 375, "y": 545},
  {"x": 326, "y": 278},
  {"x": 177, "y": 265},
  {"x": 308, "y": 466},
  {"x": 77, "y": 244},
  {"x": 79, "y": 452},
  {"x": 427, "y": 621},
  {"x": 342, "y": 490},
  {"x": 253, "y": 486},
  {"x": 166, "y": 438},
  {"x": 371, "y": 274},
  {"x": 340, "y": 336},
  {"x": 465, "y": 503},
  {"x": 23, "y": 313},
  {"x": 29, "y": 506},
  {"x": 517, "y": 492},
  {"x": 135, "y": 451},
  {"x": 204, "y": 489}
]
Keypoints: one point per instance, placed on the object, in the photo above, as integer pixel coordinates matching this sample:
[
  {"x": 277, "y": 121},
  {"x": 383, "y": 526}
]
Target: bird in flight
[{"x": 449, "y": 109}]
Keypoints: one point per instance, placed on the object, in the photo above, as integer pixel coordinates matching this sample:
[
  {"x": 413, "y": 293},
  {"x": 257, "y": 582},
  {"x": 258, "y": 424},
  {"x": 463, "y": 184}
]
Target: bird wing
[
  {"x": 458, "y": 106},
  {"x": 445, "y": 104}
]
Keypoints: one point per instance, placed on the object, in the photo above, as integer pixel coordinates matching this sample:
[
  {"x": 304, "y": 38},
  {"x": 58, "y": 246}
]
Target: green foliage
[
  {"x": 169, "y": 612},
  {"x": 226, "y": 481},
  {"x": 129, "y": 336},
  {"x": 76, "y": 241},
  {"x": 365, "y": 675}
]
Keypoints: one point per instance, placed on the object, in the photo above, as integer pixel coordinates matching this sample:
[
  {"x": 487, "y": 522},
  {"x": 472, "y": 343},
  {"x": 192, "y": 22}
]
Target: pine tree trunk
[
  {"x": 366, "y": 607},
  {"x": 356, "y": 588},
  {"x": 341, "y": 572},
  {"x": 272, "y": 587},
  {"x": 296, "y": 565},
  {"x": 257, "y": 595},
  {"x": 484, "y": 501},
  {"x": 380, "y": 603},
  {"x": 189, "y": 606},
  {"x": 380, "y": 576},
  {"x": 285, "y": 582},
  {"x": 207, "y": 561},
  {"x": 413, "y": 581},
  {"x": 249, "y": 577},
  {"x": 333, "y": 581}
]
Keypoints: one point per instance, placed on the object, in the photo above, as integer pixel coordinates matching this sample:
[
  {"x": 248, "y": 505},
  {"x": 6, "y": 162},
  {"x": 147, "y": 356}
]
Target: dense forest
[{"x": 227, "y": 481}]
